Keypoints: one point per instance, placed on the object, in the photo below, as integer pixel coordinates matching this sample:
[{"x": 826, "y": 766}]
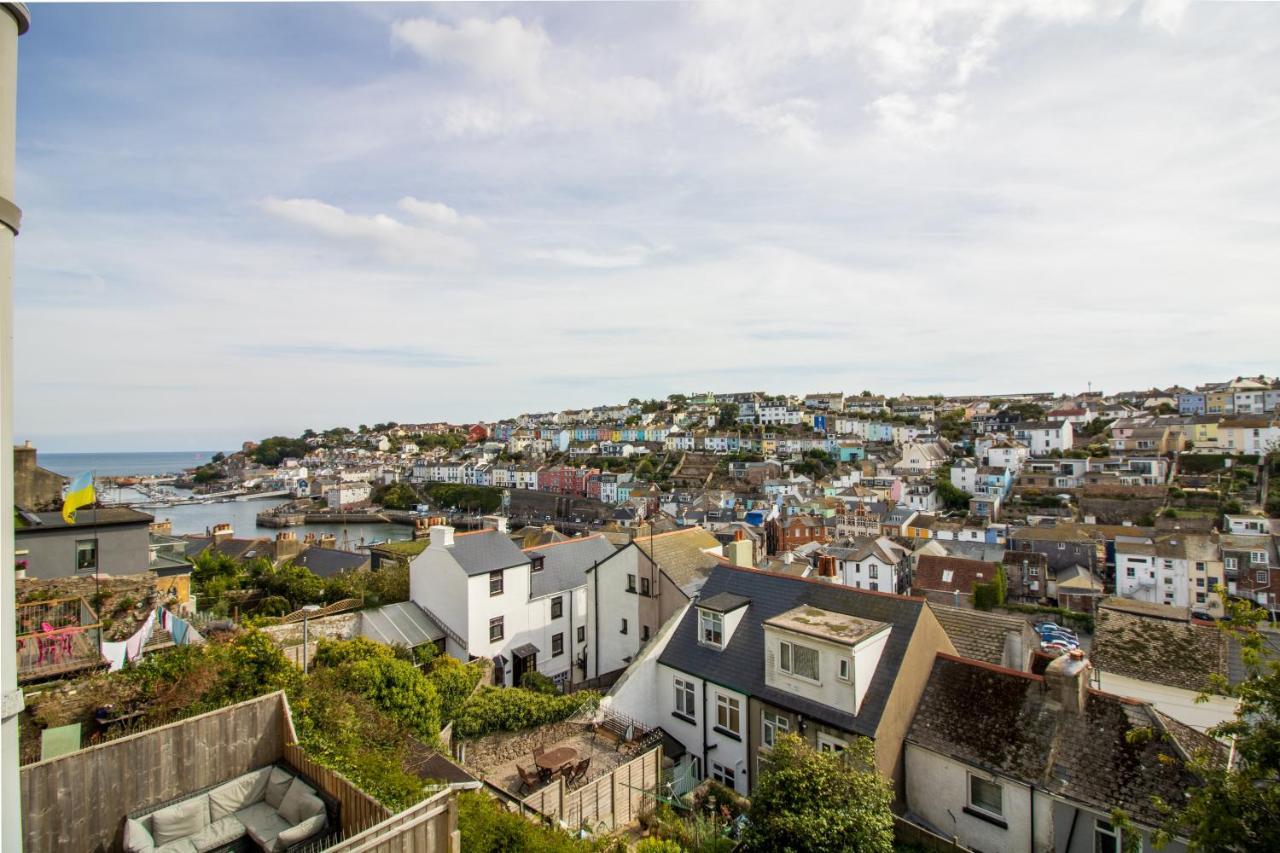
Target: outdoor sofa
[{"x": 270, "y": 809}]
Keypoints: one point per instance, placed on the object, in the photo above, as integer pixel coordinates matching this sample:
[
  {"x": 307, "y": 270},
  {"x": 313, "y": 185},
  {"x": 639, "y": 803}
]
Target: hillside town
[{"x": 662, "y": 592}]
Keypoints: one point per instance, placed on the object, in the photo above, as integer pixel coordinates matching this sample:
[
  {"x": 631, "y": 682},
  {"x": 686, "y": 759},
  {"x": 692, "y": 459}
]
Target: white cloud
[
  {"x": 436, "y": 213},
  {"x": 393, "y": 239},
  {"x": 525, "y": 80},
  {"x": 505, "y": 49}
]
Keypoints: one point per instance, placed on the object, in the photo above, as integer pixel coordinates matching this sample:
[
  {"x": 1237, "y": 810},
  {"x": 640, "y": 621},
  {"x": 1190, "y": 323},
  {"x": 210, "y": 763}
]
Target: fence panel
[{"x": 359, "y": 810}]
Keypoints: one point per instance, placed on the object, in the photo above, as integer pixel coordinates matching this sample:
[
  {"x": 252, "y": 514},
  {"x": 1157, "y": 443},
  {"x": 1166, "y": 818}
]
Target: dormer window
[
  {"x": 535, "y": 563},
  {"x": 711, "y": 628}
]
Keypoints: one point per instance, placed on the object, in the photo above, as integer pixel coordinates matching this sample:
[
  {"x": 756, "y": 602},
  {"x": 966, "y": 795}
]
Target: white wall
[
  {"x": 937, "y": 790},
  {"x": 607, "y": 593},
  {"x": 439, "y": 585}
]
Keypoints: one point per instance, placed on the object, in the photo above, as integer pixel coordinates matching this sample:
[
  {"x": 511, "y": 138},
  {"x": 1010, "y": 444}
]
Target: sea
[
  {"x": 198, "y": 518},
  {"x": 124, "y": 464}
]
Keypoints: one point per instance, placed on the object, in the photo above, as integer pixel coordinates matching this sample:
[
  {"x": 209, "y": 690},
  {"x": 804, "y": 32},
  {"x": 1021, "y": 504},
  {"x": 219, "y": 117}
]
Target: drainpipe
[
  {"x": 705, "y": 747},
  {"x": 595, "y": 614}
]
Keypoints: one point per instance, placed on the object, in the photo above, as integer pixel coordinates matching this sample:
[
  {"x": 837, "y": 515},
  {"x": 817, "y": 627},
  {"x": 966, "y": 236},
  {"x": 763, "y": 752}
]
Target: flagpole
[{"x": 97, "y": 558}]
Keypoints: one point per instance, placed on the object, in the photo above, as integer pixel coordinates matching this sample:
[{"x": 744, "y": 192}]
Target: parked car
[
  {"x": 1056, "y": 646},
  {"x": 1203, "y": 614},
  {"x": 1050, "y": 628}
]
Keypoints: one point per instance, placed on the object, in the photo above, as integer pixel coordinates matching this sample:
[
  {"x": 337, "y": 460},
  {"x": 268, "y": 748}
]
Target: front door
[{"x": 521, "y": 666}]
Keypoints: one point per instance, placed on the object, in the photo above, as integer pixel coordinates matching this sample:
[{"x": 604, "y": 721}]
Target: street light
[{"x": 307, "y": 610}]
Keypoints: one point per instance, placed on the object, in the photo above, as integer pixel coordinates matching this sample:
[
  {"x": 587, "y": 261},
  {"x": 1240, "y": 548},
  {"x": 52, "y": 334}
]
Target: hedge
[
  {"x": 510, "y": 709},
  {"x": 1082, "y": 621}
]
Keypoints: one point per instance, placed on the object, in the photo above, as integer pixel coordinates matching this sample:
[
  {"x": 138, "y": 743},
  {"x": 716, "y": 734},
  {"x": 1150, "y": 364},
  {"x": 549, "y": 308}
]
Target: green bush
[
  {"x": 538, "y": 683},
  {"x": 658, "y": 845},
  {"x": 487, "y": 827},
  {"x": 454, "y": 682},
  {"x": 510, "y": 709},
  {"x": 396, "y": 687},
  {"x": 1070, "y": 618},
  {"x": 992, "y": 593},
  {"x": 339, "y": 652},
  {"x": 347, "y": 733}
]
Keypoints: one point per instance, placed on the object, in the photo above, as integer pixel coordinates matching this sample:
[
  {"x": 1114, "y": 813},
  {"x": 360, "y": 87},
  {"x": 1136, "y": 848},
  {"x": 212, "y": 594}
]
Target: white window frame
[
  {"x": 828, "y": 743},
  {"x": 685, "y": 702},
  {"x": 714, "y": 621},
  {"x": 771, "y": 726},
  {"x": 1230, "y": 563},
  {"x": 726, "y": 776},
  {"x": 730, "y": 709},
  {"x": 986, "y": 810},
  {"x": 500, "y": 584},
  {"x": 1258, "y": 558},
  {"x": 1103, "y": 829},
  {"x": 787, "y": 661},
  {"x": 843, "y": 670}
]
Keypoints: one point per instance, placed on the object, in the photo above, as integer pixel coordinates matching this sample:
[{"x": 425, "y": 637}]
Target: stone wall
[
  {"x": 495, "y": 749},
  {"x": 34, "y": 488},
  {"x": 341, "y": 627}
]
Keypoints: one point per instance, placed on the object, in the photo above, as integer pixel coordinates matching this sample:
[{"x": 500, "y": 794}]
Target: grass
[{"x": 405, "y": 548}]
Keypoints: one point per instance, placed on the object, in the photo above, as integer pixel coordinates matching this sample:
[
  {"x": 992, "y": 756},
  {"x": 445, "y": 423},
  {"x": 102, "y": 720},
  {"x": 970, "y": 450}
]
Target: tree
[
  {"x": 398, "y": 496},
  {"x": 1237, "y": 808},
  {"x": 728, "y": 416},
  {"x": 952, "y": 497},
  {"x": 272, "y": 451},
  {"x": 820, "y": 801}
]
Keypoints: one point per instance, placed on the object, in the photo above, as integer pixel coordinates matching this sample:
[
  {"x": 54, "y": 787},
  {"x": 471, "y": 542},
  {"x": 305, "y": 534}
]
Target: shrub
[
  {"x": 510, "y": 709},
  {"x": 273, "y": 605},
  {"x": 454, "y": 682},
  {"x": 538, "y": 683},
  {"x": 397, "y": 688},
  {"x": 716, "y": 797},
  {"x": 658, "y": 845},
  {"x": 487, "y": 827},
  {"x": 338, "y": 652}
]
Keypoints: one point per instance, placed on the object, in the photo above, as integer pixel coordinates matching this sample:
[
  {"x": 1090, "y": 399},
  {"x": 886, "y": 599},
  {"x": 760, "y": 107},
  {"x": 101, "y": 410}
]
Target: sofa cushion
[
  {"x": 262, "y": 823},
  {"x": 277, "y": 786},
  {"x": 240, "y": 793},
  {"x": 297, "y": 834},
  {"x": 291, "y": 807},
  {"x": 218, "y": 834},
  {"x": 180, "y": 820},
  {"x": 182, "y": 845},
  {"x": 137, "y": 838}
]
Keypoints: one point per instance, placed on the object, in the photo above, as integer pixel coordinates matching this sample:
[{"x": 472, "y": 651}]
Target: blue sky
[{"x": 248, "y": 219}]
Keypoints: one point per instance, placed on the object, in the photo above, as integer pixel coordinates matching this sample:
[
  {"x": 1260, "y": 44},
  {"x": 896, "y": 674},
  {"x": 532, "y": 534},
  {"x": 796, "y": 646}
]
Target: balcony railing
[{"x": 56, "y": 636}]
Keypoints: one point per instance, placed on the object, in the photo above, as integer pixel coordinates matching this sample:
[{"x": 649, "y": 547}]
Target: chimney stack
[
  {"x": 441, "y": 536},
  {"x": 739, "y": 553},
  {"x": 222, "y": 532},
  {"x": 1067, "y": 678}
]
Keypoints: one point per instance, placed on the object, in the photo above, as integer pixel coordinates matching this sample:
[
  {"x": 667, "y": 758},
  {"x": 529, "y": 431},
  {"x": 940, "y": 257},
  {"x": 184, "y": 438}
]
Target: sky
[{"x": 242, "y": 220}]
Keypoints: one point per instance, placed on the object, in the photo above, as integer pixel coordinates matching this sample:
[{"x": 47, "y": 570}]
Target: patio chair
[
  {"x": 565, "y": 770},
  {"x": 545, "y": 774},
  {"x": 580, "y": 772},
  {"x": 537, "y": 752},
  {"x": 527, "y": 779}
]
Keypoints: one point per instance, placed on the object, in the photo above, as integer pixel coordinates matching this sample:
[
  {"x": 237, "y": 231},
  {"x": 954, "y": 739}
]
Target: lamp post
[{"x": 307, "y": 610}]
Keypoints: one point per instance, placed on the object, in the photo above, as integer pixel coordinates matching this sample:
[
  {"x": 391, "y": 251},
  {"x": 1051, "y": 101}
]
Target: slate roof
[
  {"x": 975, "y": 634},
  {"x": 565, "y": 564},
  {"x": 740, "y": 665},
  {"x": 86, "y": 518},
  {"x": 486, "y": 551},
  {"x": 1156, "y": 643},
  {"x": 236, "y": 549},
  {"x": 930, "y": 574},
  {"x": 680, "y": 556},
  {"x": 1082, "y": 757},
  {"x": 327, "y": 562}
]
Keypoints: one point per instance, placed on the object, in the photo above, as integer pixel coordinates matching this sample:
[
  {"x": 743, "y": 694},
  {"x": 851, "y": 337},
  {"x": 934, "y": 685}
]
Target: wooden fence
[
  {"x": 431, "y": 826},
  {"x": 359, "y": 810},
  {"x": 79, "y": 801},
  {"x": 906, "y": 832},
  {"x": 606, "y": 802}
]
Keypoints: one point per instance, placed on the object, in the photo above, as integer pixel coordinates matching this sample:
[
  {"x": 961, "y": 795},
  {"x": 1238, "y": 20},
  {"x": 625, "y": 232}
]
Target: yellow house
[
  {"x": 1219, "y": 402},
  {"x": 769, "y": 445},
  {"x": 616, "y": 435},
  {"x": 1204, "y": 434}
]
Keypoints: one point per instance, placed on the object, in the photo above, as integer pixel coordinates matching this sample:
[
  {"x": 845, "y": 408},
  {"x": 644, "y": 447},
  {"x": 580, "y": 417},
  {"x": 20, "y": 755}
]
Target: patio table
[{"x": 553, "y": 759}]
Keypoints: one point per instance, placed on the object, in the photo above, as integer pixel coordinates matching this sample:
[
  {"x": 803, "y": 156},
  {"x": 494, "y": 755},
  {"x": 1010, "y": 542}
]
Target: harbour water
[{"x": 197, "y": 518}]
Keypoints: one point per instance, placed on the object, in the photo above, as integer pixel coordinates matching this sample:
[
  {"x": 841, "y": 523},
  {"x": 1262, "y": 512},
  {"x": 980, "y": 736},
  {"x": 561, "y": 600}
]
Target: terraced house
[{"x": 761, "y": 654}]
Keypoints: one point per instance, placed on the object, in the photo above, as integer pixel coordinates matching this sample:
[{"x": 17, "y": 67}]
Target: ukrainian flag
[{"x": 79, "y": 494}]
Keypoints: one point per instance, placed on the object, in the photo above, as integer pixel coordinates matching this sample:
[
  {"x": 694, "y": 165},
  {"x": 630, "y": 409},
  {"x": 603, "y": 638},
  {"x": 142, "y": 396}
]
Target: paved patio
[{"x": 600, "y": 749}]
